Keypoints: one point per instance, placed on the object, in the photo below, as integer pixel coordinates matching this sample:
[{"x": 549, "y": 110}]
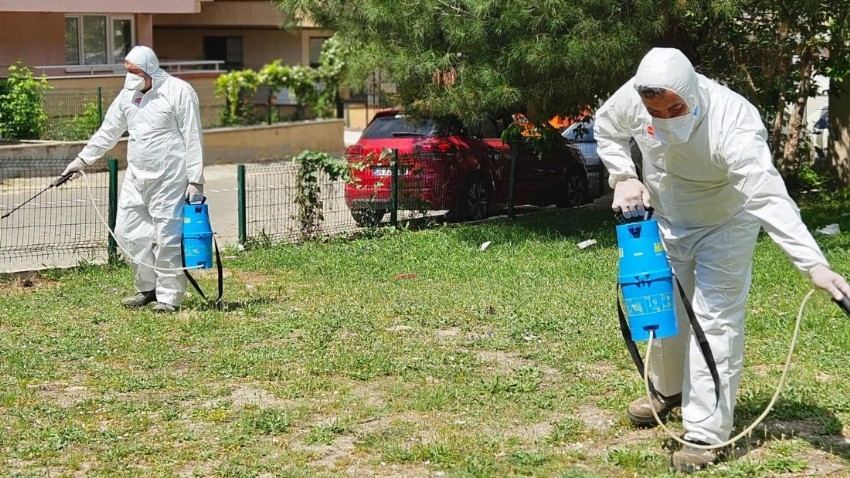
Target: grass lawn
[{"x": 407, "y": 354}]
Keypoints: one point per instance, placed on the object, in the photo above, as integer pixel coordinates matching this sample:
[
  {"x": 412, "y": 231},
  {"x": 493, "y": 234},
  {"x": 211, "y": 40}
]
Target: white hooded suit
[
  {"x": 711, "y": 194},
  {"x": 164, "y": 155}
]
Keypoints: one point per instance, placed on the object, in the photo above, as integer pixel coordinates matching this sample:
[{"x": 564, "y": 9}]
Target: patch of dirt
[
  {"x": 597, "y": 370},
  {"x": 370, "y": 392},
  {"x": 253, "y": 279},
  {"x": 24, "y": 283},
  {"x": 399, "y": 328},
  {"x": 342, "y": 455},
  {"x": 535, "y": 431},
  {"x": 191, "y": 470},
  {"x": 596, "y": 419},
  {"x": 327, "y": 456},
  {"x": 388, "y": 471},
  {"x": 448, "y": 333},
  {"x": 63, "y": 394},
  {"x": 505, "y": 361},
  {"x": 246, "y": 395}
]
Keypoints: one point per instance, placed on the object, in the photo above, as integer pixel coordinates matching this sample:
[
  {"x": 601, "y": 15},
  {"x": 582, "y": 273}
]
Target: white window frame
[{"x": 110, "y": 35}]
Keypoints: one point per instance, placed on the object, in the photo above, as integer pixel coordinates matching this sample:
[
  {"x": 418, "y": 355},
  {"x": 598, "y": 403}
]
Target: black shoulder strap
[
  {"x": 698, "y": 333},
  {"x": 217, "y": 303}
]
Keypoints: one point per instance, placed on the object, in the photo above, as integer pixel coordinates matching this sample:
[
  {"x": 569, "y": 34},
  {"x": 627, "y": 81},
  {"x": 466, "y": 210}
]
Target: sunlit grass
[{"x": 406, "y": 352}]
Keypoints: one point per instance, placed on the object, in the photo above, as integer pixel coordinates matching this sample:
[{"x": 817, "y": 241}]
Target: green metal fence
[
  {"x": 74, "y": 114},
  {"x": 268, "y": 209},
  {"x": 59, "y": 227}
]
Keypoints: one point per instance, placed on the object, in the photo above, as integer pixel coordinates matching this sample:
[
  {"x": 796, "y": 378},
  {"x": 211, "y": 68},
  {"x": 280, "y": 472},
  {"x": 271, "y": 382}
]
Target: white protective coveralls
[
  {"x": 164, "y": 155},
  {"x": 710, "y": 194}
]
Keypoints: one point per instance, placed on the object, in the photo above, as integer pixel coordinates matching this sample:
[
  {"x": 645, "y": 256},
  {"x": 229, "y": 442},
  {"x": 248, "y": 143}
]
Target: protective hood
[
  {"x": 669, "y": 68},
  {"x": 144, "y": 58}
]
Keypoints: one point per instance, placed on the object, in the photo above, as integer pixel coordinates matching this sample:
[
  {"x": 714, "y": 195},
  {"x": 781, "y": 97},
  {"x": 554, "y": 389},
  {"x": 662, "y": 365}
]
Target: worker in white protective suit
[
  {"x": 707, "y": 172},
  {"x": 164, "y": 168}
]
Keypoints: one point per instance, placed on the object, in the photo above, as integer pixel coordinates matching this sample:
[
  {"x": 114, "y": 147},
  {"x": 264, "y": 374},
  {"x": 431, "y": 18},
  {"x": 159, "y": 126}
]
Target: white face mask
[
  {"x": 675, "y": 130},
  {"x": 134, "y": 82}
]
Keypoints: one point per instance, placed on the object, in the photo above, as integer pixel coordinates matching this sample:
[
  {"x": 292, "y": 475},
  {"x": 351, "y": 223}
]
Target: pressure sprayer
[
  {"x": 198, "y": 244},
  {"x": 646, "y": 281}
]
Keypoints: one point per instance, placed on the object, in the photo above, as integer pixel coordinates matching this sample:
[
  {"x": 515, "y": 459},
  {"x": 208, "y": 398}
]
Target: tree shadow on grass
[
  {"x": 790, "y": 419},
  {"x": 229, "y": 305},
  {"x": 555, "y": 225}
]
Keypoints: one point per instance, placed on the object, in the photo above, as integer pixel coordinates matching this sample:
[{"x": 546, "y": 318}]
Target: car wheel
[
  {"x": 473, "y": 202},
  {"x": 367, "y": 217},
  {"x": 575, "y": 191}
]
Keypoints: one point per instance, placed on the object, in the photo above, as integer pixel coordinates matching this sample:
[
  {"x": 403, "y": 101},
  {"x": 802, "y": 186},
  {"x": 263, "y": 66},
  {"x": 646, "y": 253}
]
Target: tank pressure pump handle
[{"x": 844, "y": 303}]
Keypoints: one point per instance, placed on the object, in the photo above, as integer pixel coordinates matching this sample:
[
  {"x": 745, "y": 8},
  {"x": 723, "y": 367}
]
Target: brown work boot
[
  {"x": 141, "y": 299},
  {"x": 690, "y": 459},
  {"x": 640, "y": 414}
]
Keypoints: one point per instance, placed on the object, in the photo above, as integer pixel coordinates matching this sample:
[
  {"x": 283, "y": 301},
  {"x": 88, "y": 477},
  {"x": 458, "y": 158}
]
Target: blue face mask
[{"x": 675, "y": 130}]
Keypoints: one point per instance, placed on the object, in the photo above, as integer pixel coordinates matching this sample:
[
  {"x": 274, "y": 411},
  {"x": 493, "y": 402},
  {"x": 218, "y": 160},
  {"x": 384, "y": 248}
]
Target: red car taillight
[
  {"x": 435, "y": 150},
  {"x": 354, "y": 152}
]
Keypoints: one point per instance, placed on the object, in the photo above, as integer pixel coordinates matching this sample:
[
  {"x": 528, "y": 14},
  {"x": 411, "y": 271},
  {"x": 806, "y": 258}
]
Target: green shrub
[
  {"x": 238, "y": 89},
  {"x": 77, "y": 127},
  {"x": 22, "y": 113},
  {"x": 308, "y": 195}
]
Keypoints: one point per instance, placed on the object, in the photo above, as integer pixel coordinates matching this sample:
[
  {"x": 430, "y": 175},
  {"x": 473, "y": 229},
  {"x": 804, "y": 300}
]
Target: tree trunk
[
  {"x": 789, "y": 164},
  {"x": 776, "y": 130},
  {"x": 838, "y": 147}
]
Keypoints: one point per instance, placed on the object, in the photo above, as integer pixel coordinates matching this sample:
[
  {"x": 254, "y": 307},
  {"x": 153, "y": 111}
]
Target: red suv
[{"x": 442, "y": 166}]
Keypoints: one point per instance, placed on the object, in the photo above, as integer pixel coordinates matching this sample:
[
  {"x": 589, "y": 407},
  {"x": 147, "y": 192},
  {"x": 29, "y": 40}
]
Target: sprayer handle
[
  {"x": 844, "y": 303},
  {"x": 62, "y": 179}
]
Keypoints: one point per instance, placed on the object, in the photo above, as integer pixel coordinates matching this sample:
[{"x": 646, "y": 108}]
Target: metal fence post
[
  {"x": 269, "y": 106},
  {"x": 512, "y": 179},
  {"x": 240, "y": 203},
  {"x": 394, "y": 190},
  {"x": 112, "y": 245},
  {"x": 99, "y": 106}
]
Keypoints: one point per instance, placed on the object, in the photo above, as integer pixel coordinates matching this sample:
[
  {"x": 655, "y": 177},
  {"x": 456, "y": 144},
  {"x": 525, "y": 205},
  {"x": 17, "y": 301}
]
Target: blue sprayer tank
[
  {"x": 197, "y": 236},
  {"x": 646, "y": 280}
]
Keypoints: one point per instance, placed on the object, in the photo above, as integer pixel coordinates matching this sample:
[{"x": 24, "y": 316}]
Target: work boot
[
  {"x": 641, "y": 415},
  {"x": 690, "y": 459},
  {"x": 141, "y": 299},
  {"x": 163, "y": 308}
]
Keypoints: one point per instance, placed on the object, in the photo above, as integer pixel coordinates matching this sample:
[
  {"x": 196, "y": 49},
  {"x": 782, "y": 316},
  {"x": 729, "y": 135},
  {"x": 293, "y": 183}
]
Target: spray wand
[{"x": 55, "y": 184}]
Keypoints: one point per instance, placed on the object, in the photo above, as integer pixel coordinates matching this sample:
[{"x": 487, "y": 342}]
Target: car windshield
[
  {"x": 399, "y": 126},
  {"x": 823, "y": 122},
  {"x": 581, "y": 131}
]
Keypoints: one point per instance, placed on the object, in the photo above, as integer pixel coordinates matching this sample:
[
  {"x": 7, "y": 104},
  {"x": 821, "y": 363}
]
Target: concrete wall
[
  {"x": 34, "y": 38},
  {"x": 100, "y": 6},
  {"x": 221, "y": 145},
  {"x": 254, "y": 13},
  {"x": 358, "y": 115},
  {"x": 260, "y": 46}
]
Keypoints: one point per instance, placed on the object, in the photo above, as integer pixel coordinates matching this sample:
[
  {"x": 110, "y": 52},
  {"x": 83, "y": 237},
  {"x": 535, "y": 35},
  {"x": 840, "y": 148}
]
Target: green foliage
[
  {"x": 478, "y": 57},
  {"x": 77, "y": 127},
  {"x": 311, "y": 165},
  {"x": 22, "y": 113},
  {"x": 540, "y": 139},
  {"x": 238, "y": 89},
  {"x": 332, "y": 74}
]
